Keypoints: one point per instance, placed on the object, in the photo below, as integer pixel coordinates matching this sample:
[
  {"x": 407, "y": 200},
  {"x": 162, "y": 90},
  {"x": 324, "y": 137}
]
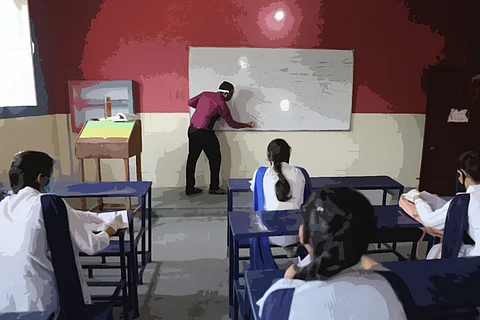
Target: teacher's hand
[{"x": 251, "y": 124}]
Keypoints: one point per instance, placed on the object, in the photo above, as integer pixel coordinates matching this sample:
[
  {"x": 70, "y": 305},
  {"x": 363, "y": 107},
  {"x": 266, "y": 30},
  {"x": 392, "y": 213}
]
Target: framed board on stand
[{"x": 110, "y": 139}]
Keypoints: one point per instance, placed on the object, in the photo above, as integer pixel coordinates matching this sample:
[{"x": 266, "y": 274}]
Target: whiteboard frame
[{"x": 229, "y": 129}]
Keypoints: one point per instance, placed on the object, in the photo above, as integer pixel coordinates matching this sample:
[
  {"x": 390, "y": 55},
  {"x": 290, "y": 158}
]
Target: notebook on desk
[
  {"x": 107, "y": 217},
  {"x": 433, "y": 201}
]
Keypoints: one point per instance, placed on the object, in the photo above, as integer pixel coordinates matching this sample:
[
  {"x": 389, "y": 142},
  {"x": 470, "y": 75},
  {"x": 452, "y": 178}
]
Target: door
[{"x": 447, "y": 88}]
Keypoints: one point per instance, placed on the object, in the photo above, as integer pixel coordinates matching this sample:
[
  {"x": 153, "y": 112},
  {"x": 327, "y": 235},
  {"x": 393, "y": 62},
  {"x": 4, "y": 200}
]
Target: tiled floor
[{"x": 188, "y": 278}]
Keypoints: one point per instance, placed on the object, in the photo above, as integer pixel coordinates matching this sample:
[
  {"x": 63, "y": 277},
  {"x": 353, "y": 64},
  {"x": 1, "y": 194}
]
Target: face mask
[{"x": 46, "y": 188}]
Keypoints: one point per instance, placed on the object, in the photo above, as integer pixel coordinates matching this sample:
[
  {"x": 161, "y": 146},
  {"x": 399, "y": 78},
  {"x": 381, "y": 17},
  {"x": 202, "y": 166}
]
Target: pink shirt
[{"x": 209, "y": 107}]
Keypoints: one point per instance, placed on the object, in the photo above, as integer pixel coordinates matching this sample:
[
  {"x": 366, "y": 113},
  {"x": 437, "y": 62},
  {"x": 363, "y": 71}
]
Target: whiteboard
[{"x": 278, "y": 89}]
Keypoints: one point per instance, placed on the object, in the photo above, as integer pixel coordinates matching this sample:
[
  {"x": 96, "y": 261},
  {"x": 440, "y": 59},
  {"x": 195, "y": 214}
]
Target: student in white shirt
[
  {"x": 27, "y": 279},
  {"x": 337, "y": 285},
  {"x": 469, "y": 177},
  {"x": 283, "y": 187}
]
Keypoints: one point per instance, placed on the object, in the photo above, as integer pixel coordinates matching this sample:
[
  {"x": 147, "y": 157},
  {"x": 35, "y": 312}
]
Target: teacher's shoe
[
  {"x": 192, "y": 192},
  {"x": 218, "y": 191}
]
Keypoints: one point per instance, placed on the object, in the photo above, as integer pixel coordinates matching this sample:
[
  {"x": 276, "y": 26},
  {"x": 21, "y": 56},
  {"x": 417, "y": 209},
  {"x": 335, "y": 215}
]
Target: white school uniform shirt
[
  {"x": 27, "y": 280},
  {"x": 296, "y": 179},
  {"x": 436, "y": 219},
  {"x": 349, "y": 295}
]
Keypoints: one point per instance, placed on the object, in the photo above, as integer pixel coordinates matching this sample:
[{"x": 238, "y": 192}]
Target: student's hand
[
  {"x": 410, "y": 195},
  {"x": 291, "y": 272},
  {"x": 251, "y": 124},
  {"x": 114, "y": 225}
]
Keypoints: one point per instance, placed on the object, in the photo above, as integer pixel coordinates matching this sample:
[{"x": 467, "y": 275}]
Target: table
[
  {"x": 392, "y": 226},
  {"x": 141, "y": 189},
  {"x": 384, "y": 183},
  {"x": 443, "y": 288}
]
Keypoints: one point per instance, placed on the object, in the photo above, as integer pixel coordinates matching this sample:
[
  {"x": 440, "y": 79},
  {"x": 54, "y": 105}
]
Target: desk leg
[
  {"x": 126, "y": 163},
  {"x": 99, "y": 178},
  {"x": 149, "y": 195},
  {"x": 384, "y": 203},
  {"x": 123, "y": 272},
  {"x": 229, "y": 209},
  {"x": 235, "y": 245},
  {"x": 82, "y": 175},
  {"x": 384, "y": 198},
  {"x": 231, "y": 263},
  {"x": 138, "y": 167},
  {"x": 133, "y": 274},
  {"x": 144, "y": 249}
]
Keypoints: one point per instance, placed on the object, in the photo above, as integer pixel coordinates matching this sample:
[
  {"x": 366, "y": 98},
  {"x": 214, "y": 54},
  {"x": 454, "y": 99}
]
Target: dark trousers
[{"x": 198, "y": 141}]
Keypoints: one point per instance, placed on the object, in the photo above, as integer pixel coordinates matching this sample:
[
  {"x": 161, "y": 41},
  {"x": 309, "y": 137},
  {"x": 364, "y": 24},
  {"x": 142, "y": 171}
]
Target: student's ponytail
[
  {"x": 282, "y": 187},
  {"x": 278, "y": 151}
]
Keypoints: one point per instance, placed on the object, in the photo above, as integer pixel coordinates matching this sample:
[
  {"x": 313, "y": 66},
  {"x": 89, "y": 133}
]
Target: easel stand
[{"x": 110, "y": 140}]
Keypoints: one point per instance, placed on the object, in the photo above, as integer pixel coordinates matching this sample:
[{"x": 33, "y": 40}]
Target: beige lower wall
[{"x": 387, "y": 144}]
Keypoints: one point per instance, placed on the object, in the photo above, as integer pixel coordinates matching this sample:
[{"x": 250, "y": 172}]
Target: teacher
[{"x": 209, "y": 107}]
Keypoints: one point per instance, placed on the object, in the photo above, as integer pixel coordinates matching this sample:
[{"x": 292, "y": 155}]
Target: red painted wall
[{"x": 147, "y": 41}]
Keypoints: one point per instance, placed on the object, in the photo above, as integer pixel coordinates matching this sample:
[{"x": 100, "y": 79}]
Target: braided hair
[
  {"x": 278, "y": 151},
  {"x": 338, "y": 223}
]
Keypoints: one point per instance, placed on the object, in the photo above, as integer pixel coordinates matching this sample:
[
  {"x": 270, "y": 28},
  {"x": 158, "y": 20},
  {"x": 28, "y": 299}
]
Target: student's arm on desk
[
  {"x": 82, "y": 226},
  {"x": 432, "y": 219}
]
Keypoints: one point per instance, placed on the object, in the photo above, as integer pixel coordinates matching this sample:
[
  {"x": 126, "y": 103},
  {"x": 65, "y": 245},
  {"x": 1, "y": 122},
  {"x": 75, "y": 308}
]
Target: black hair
[
  {"x": 227, "y": 86},
  {"x": 469, "y": 161},
  {"x": 278, "y": 151},
  {"x": 26, "y": 167},
  {"x": 338, "y": 222}
]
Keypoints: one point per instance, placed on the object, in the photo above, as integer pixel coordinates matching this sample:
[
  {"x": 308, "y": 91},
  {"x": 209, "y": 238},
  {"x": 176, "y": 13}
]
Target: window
[{"x": 17, "y": 77}]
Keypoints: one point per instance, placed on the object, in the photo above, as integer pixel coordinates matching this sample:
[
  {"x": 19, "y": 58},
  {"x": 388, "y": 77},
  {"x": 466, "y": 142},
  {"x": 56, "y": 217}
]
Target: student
[
  {"x": 339, "y": 283},
  {"x": 27, "y": 277},
  {"x": 209, "y": 107},
  {"x": 469, "y": 177},
  {"x": 285, "y": 187}
]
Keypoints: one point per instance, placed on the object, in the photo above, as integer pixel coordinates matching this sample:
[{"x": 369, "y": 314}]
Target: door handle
[{"x": 432, "y": 148}]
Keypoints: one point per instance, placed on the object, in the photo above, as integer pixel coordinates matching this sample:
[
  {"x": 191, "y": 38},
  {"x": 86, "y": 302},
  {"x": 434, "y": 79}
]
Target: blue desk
[
  {"x": 140, "y": 189},
  {"x": 441, "y": 289},
  {"x": 384, "y": 183},
  {"x": 392, "y": 226}
]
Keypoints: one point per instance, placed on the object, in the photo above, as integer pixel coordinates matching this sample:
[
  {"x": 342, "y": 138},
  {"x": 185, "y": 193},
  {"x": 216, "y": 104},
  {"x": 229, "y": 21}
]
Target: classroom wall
[{"x": 147, "y": 41}]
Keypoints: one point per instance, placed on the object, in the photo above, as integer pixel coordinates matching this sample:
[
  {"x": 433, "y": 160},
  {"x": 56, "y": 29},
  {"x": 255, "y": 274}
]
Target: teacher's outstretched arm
[{"x": 227, "y": 116}]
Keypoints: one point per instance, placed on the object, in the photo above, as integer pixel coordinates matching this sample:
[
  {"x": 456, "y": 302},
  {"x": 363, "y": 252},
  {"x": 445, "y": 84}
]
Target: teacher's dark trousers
[{"x": 198, "y": 141}]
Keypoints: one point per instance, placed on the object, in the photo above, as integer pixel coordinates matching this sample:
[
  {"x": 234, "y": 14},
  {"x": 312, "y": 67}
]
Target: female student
[
  {"x": 469, "y": 178},
  {"x": 337, "y": 229},
  {"x": 27, "y": 276},
  {"x": 280, "y": 187}
]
